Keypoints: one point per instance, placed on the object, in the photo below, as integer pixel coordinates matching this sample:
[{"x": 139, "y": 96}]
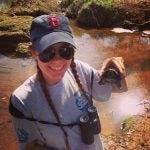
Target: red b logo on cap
[{"x": 55, "y": 22}]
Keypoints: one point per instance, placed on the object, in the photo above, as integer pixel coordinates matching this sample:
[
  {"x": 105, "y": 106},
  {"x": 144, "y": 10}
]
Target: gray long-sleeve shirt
[{"x": 70, "y": 104}]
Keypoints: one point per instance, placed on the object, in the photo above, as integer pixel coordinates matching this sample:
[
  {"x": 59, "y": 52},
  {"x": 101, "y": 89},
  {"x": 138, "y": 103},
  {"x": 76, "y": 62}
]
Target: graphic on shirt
[
  {"x": 22, "y": 135},
  {"x": 81, "y": 101}
]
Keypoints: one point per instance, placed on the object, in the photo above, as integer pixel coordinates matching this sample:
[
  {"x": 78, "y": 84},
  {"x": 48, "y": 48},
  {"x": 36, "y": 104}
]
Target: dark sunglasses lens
[
  {"x": 66, "y": 52},
  {"x": 46, "y": 56}
]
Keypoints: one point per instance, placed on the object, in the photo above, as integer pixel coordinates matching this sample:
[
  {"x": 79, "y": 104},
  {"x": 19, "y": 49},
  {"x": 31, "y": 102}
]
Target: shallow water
[
  {"x": 96, "y": 45},
  {"x": 93, "y": 46}
]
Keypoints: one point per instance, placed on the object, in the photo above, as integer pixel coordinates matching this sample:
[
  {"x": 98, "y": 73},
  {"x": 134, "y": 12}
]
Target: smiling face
[{"x": 54, "y": 69}]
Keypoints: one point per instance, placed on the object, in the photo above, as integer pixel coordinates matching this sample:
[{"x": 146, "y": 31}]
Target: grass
[
  {"x": 16, "y": 23},
  {"x": 22, "y": 50},
  {"x": 128, "y": 1},
  {"x": 66, "y": 3},
  {"x": 128, "y": 123},
  {"x": 105, "y": 3}
]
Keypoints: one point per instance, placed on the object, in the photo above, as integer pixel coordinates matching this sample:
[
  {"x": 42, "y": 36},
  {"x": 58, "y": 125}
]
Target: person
[{"x": 46, "y": 109}]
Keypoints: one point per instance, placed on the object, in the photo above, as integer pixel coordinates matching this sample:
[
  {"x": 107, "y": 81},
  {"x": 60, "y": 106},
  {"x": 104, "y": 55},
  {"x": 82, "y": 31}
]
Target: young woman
[{"x": 47, "y": 108}]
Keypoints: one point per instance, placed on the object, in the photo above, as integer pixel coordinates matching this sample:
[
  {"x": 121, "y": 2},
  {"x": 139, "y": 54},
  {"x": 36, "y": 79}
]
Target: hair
[
  {"x": 76, "y": 76},
  {"x": 51, "y": 104}
]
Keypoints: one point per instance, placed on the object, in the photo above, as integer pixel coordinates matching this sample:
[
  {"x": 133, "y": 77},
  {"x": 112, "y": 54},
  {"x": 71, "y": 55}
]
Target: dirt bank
[{"x": 136, "y": 138}]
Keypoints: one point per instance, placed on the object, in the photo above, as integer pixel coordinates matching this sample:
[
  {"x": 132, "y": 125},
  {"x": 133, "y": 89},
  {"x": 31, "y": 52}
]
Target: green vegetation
[
  {"x": 15, "y": 19},
  {"x": 99, "y": 13},
  {"x": 104, "y": 3},
  {"x": 14, "y": 30},
  {"x": 66, "y": 3},
  {"x": 91, "y": 13},
  {"x": 22, "y": 50},
  {"x": 16, "y": 37},
  {"x": 21, "y": 2},
  {"x": 128, "y": 123},
  {"x": 16, "y": 23}
]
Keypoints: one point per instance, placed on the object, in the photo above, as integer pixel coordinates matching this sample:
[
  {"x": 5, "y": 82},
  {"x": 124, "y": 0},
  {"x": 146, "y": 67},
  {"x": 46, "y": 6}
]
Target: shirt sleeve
[
  {"x": 98, "y": 92},
  {"x": 26, "y": 130}
]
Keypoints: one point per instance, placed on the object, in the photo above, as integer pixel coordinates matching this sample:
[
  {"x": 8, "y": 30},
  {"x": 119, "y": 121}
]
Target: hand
[{"x": 114, "y": 63}]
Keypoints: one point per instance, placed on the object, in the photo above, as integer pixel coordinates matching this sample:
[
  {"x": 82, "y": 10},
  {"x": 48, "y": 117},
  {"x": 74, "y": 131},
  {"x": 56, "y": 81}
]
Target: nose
[{"x": 57, "y": 56}]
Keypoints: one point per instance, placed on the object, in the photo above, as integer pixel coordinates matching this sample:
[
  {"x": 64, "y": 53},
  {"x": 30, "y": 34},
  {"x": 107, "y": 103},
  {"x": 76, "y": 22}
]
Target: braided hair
[{"x": 50, "y": 101}]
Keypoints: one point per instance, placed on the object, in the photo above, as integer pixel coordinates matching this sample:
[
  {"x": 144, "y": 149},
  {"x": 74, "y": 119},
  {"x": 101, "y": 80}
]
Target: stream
[{"x": 93, "y": 46}]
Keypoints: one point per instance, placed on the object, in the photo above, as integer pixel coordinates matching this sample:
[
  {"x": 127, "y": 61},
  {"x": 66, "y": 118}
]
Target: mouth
[{"x": 60, "y": 68}]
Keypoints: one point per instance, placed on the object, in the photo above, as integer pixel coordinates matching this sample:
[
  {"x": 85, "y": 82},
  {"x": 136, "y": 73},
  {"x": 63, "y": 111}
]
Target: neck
[{"x": 49, "y": 80}]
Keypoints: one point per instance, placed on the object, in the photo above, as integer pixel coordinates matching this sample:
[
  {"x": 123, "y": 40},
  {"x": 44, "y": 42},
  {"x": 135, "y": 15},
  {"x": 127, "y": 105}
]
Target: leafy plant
[
  {"x": 66, "y": 3},
  {"x": 128, "y": 123}
]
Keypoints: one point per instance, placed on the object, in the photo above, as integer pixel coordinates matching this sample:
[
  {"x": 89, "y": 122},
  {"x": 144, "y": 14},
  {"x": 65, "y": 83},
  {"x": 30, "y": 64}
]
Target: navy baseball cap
[{"x": 47, "y": 30}]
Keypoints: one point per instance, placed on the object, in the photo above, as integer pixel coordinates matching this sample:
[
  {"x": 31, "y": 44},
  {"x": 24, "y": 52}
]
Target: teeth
[{"x": 56, "y": 68}]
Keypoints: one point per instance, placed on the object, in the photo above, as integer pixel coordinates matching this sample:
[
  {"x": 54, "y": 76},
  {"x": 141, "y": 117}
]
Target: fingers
[
  {"x": 114, "y": 62},
  {"x": 105, "y": 65},
  {"x": 119, "y": 64}
]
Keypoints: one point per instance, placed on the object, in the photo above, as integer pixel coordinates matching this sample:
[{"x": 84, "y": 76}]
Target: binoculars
[{"x": 90, "y": 125}]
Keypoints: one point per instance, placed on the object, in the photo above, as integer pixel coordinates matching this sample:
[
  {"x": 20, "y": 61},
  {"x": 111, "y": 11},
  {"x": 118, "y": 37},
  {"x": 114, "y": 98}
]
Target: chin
[{"x": 56, "y": 77}]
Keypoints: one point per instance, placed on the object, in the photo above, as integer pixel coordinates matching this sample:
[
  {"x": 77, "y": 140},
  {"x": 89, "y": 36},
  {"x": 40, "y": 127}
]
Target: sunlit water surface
[{"x": 96, "y": 45}]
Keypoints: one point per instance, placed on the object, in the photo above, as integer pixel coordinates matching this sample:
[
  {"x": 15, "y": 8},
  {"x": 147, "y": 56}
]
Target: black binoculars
[{"x": 90, "y": 125}]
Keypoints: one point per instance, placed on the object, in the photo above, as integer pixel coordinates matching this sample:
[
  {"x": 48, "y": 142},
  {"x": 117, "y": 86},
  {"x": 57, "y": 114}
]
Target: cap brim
[{"x": 52, "y": 38}]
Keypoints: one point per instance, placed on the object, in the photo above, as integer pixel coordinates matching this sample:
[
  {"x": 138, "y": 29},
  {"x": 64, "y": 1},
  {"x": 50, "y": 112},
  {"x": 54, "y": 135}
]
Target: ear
[
  {"x": 34, "y": 54},
  {"x": 33, "y": 51}
]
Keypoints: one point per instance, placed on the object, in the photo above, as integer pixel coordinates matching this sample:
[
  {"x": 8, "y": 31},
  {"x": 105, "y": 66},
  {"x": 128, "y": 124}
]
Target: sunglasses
[{"x": 66, "y": 52}]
